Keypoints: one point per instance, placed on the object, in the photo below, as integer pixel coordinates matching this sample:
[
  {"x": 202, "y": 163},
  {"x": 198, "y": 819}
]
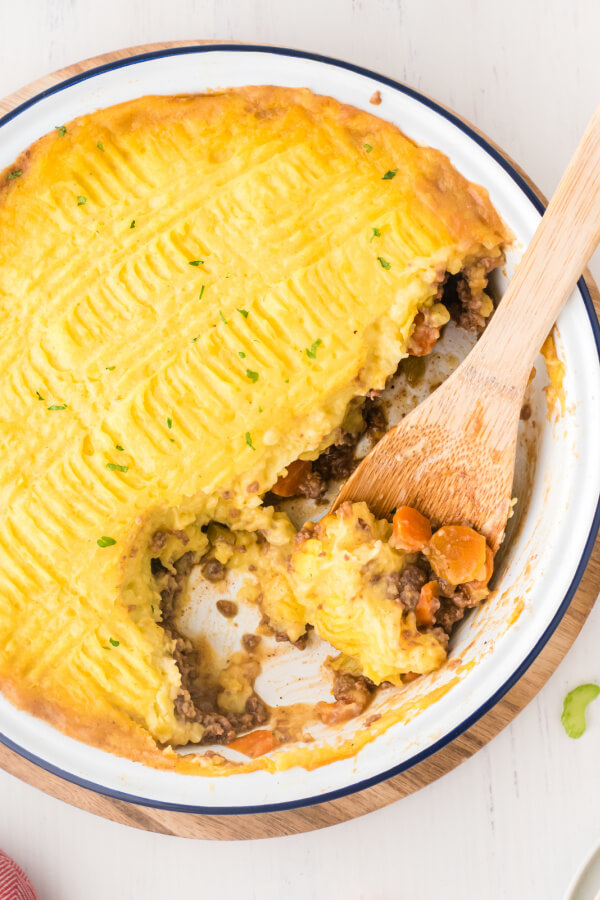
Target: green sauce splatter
[{"x": 576, "y": 701}]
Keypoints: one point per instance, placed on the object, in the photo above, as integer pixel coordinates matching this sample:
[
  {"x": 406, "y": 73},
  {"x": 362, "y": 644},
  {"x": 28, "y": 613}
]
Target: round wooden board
[{"x": 244, "y": 827}]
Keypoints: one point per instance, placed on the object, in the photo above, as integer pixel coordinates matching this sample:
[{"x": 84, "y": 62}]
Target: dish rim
[{"x": 485, "y": 707}]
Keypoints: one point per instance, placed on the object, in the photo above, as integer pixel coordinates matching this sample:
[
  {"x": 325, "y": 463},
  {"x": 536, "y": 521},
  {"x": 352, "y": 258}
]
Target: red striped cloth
[{"x": 14, "y": 883}]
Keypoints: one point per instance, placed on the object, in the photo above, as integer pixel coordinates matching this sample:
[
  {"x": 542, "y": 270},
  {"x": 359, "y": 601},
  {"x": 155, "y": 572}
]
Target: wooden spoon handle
[{"x": 555, "y": 258}]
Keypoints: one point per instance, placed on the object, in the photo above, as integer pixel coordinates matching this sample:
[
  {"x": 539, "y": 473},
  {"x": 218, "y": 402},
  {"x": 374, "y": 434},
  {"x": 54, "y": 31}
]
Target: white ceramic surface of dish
[
  {"x": 542, "y": 564},
  {"x": 586, "y": 881}
]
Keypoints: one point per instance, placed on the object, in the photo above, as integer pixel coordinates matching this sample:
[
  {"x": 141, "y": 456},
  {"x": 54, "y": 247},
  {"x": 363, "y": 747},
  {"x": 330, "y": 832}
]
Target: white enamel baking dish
[{"x": 544, "y": 560}]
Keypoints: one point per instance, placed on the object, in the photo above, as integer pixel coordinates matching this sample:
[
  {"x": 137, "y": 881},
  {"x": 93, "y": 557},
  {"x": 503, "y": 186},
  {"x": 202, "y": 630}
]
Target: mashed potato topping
[
  {"x": 347, "y": 574},
  {"x": 194, "y": 289}
]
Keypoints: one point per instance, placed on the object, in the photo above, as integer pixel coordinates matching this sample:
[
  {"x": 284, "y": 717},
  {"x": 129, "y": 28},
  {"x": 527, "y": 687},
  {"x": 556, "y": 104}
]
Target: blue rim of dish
[{"x": 589, "y": 545}]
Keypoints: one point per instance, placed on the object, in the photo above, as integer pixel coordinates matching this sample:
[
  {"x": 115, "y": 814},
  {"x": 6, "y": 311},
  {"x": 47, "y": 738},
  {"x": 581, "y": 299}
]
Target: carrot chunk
[
  {"x": 457, "y": 553},
  {"x": 412, "y": 531},
  {"x": 335, "y": 713},
  {"x": 489, "y": 570},
  {"x": 478, "y": 590},
  {"x": 287, "y": 485},
  {"x": 427, "y": 604},
  {"x": 254, "y": 744}
]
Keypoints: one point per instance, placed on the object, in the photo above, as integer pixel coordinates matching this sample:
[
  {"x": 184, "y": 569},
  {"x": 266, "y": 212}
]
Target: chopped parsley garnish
[
  {"x": 196, "y": 262},
  {"x": 169, "y": 423},
  {"x": 376, "y": 233},
  {"x": 118, "y": 447},
  {"x": 56, "y": 407},
  {"x": 105, "y": 541},
  {"x": 241, "y": 354},
  {"x": 260, "y": 409},
  {"x": 172, "y": 440},
  {"x": 391, "y": 173},
  {"x": 249, "y": 440},
  {"x": 81, "y": 200},
  {"x": 100, "y": 146},
  {"x": 114, "y": 643},
  {"x": 62, "y": 130},
  {"x": 201, "y": 292},
  {"x": 109, "y": 368},
  {"x": 311, "y": 351},
  {"x": 38, "y": 395},
  {"x": 384, "y": 263},
  {"x": 132, "y": 223},
  {"x": 573, "y": 714},
  {"x": 287, "y": 380},
  {"x": 253, "y": 376},
  {"x": 16, "y": 174},
  {"x": 195, "y": 339},
  {"x": 223, "y": 319},
  {"x": 115, "y": 468},
  {"x": 368, "y": 148},
  {"x": 243, "y": 312}
]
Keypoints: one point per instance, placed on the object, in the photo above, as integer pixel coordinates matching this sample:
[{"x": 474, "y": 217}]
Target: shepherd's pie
[{"x": 198, "y": 291}]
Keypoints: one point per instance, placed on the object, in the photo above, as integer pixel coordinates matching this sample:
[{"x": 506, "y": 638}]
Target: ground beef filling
[
  {"x": 191, "y": 703},
  {"x": 336, "y": 463},
  {"x": 464, "y": 294},
  {"x": 453, "y": 601},
  {"x": 352, "y": 696},
  {"x": 405, "y": 587},
  {"x": 410, "y": 582}
]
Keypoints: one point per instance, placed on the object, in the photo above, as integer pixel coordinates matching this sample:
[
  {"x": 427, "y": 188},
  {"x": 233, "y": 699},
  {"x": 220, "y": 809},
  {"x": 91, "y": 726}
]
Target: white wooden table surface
[{"x": 516, "y": 820}]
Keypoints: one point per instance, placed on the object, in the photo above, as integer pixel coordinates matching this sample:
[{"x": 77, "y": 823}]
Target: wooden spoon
[{"x": 453, "y": 457}]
